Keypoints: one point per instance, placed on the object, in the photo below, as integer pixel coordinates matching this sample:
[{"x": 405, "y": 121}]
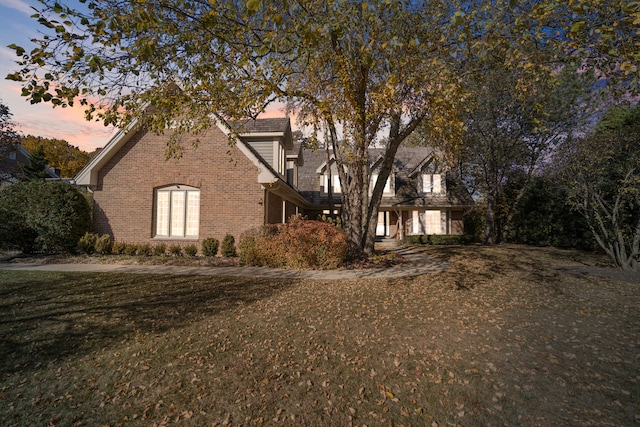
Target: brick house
[{"x": 234, "y": 181}]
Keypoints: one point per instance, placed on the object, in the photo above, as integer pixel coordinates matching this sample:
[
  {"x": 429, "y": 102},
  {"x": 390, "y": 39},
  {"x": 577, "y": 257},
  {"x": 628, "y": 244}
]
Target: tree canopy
[
  {"x": 361, "y": 70},
  {"x": 59, "y": 153},
  {"x": 602, "y": 173}
]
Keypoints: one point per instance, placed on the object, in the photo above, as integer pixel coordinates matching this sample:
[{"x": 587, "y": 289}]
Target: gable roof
[
  {"x": 266, "y": 174},
  {"x": 253, "y": 126}
]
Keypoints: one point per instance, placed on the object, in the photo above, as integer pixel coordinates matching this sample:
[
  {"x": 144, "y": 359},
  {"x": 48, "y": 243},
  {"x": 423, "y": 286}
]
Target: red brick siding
[
  {"x": 230, "y": 196},
  {"x": 457, "y": 222},
  {"x": 274, "y": 209},
  {"x": 290, "y": 210}
]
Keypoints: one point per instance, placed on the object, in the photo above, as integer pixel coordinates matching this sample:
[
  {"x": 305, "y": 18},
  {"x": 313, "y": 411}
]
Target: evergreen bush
[
  {"x": 104, "y": 244},
  {"x": 160, "y": 249},
  {"x": 118, "y": 248},
  {"x": 191, "y": 250},
  {"x": 87, "y": 243},
  {"x": 210, "y": 246},
  {"x": 228, "y": 247},
  {"x": 175, "y": 250},
  {"x": 45, "y": 216},
  {"x": 130, "y": 249},
  {"x": 145, "y": 249}
]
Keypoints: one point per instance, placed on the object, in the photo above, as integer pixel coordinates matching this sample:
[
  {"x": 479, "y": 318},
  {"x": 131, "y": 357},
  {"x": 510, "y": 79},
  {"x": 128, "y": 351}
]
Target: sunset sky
[{"x": 41, "y": 119}]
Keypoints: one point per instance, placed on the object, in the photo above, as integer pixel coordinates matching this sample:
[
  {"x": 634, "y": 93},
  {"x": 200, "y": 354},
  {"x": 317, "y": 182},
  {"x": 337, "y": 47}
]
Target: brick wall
[
  {"x": 230, "y": 197},
  {"x": 274, "y": 209}
]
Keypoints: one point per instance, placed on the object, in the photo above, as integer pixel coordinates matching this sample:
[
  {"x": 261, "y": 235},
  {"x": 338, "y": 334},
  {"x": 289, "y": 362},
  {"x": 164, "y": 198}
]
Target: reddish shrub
[{"x": 299, "y": 244}]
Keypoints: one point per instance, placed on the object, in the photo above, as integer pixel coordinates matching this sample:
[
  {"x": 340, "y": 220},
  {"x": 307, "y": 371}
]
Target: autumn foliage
[{"x": 300, "y": 244}]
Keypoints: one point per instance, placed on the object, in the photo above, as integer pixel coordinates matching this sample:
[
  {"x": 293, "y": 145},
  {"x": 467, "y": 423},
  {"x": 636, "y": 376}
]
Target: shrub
[
  {"x": 145, "y": 249},
  {"x": 228, "y": 247},
  {"x": 248, "y": 247},
  {"x": 191, "y": 250},
  {"x": 210, "y": 246},
  {"x": 439, "y": 239},
  {"x": 299, "y": 244},
  {"x": 130, "y": 249},
  {"x": 160, "y": 249},
  {"x": 331, "y": 219},
  {"x": 48, "y": 216},
  {"x": 175, "y": 250},
  {"x": 87, "y": 243},
  {"x": 118, "y": 248},
  {"x": 104, "y": 244}
]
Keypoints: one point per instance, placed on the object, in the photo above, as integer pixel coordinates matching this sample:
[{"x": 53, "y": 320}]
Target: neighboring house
[
  {"x": 245, "y": 178},
  {"x": 11, "y": 166}
]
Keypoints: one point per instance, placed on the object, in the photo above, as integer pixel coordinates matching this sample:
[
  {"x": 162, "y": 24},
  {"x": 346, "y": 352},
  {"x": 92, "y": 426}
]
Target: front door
[{"x": 382, "y": 230}]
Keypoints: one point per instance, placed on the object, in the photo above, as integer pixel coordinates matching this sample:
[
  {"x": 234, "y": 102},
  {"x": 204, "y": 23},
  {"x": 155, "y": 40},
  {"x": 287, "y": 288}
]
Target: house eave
[
  {"x": 287, "y": 192},
  {"x": 89, "y": 174}
]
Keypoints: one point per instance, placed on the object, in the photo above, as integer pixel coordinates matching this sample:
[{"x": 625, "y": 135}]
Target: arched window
[{"x": 177, "y": 212}]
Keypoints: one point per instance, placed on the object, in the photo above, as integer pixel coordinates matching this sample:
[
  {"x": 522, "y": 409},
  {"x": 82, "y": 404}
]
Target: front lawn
[{"x": 508, "y": 336}]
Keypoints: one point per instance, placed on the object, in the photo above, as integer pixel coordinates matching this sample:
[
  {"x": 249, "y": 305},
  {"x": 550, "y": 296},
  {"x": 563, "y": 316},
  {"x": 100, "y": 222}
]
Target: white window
[
  {"x": 431, "y": 183},
  {"x": 279, "y": 157},
  {"x": 335, "y": 181},
  {"x": 427, "y": 222},
  {"x": 292, "y": 173},
  {"x": 388, "y": 190},
  {"x": 177, "y": 212}
]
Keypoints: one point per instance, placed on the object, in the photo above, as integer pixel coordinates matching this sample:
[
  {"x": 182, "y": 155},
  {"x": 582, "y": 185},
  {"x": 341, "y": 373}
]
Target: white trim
[
  {"x": 89, "y": 174},
  {"x": 265, "y": 176}
]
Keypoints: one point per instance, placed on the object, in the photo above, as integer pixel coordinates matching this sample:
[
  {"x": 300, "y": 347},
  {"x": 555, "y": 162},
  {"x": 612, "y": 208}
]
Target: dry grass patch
[{"x": 503, "y": 338}]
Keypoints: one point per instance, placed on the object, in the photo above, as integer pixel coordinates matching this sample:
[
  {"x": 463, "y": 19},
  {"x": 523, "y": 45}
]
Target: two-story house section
[{"x": 421, "y": 196}]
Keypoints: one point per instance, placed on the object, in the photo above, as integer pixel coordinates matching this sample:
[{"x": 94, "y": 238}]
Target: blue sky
[{"x": 40, "y": 119}]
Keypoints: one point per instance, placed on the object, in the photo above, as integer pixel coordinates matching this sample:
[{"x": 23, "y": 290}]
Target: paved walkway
[{"x": 418, "y": 264}]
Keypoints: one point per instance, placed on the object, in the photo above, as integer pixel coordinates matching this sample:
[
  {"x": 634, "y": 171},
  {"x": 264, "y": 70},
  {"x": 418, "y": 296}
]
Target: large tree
[
  {"x": 362, "y": 70},
  {"x": 602, "y": 173},
  {"x": 59, "y": 153},
  {"x": 510, "y": 132}
]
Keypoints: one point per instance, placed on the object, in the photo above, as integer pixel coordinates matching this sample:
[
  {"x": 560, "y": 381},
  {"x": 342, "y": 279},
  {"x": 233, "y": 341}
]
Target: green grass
[{"x": 502, "y": 338}]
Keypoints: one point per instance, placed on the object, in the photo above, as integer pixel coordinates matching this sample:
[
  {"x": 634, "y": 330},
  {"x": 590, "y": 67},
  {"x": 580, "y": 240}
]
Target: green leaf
[
  {"x": 253, "y": 5},
  {"x": 19, "y": 50},
  {"x": 14, "y": 77},
  {"x": 577, "y": 26}
]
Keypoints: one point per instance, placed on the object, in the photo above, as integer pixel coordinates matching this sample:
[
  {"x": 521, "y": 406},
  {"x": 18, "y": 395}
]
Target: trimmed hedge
[
  {"x": 439, "y": 239},
  {"x": 43, "y": 216},
  {"x": 300, "y": 244}
]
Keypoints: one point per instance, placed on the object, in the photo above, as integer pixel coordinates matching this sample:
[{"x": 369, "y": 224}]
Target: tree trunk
[{"x": 490, "y": 218}]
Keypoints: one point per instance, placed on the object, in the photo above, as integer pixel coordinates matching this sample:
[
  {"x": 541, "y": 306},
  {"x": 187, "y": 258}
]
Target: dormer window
[
  {"x": 388, "y": 188},
  {"x": 431, "y": 183},
  {"x": 334, "y": 181}
]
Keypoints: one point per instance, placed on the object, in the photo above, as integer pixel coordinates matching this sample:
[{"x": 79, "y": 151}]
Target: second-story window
[
  {"x": 431, "y": 183},
  {"x": 388, "y": 188}
]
